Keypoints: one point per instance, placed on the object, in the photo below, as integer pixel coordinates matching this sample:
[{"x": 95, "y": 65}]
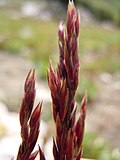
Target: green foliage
[
  {"x": 96, "y": 148},
  {"x": 31, "y": 37},
  {"x": 104, "y": 9},
  {"x": 86, "y": 84},
  {"x": 46, "y": 114},
  {"x": 103, "y": 63},
  {"x": 102, "y": 44},
  {"x": 37, "y": 40},
  {"x": 96, "y": 39}
]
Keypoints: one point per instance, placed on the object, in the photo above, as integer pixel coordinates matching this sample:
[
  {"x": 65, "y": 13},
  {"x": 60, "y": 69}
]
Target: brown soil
[{"x": 13, "y": 70}]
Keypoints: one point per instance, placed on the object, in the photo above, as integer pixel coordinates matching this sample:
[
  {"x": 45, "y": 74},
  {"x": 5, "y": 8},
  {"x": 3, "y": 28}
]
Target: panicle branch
[
  {"x": 29, "y": 120},
  {"x": 63, "y": 83}
]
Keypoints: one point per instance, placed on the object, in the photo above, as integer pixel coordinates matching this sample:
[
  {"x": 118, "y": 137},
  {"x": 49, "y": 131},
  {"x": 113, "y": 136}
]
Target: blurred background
[{"x": 28, "y": 38}]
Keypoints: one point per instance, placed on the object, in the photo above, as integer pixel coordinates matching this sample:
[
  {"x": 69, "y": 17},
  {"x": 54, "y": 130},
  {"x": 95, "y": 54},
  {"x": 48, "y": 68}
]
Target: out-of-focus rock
[
  {"x": 105, "y": 77},
  {"x": 43, "y": 93},
  {"x": 48, "y": 149}
]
